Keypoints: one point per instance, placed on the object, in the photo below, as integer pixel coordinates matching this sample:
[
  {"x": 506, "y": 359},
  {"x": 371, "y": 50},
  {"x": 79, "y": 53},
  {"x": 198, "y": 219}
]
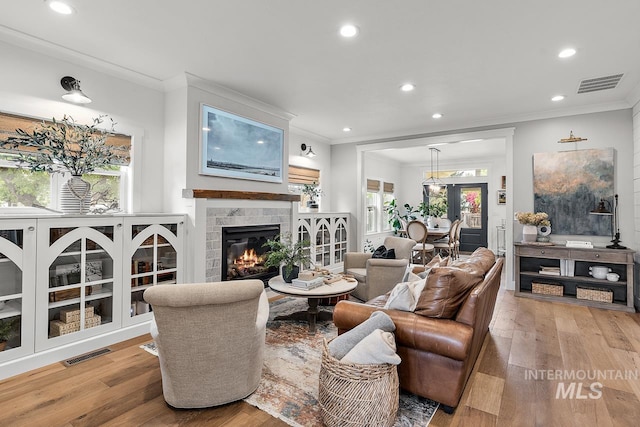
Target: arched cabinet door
[
  {"x": 305, "y": 231},
  {"x": 154, "y": 255},
  {"x": 78, "y": 279},
  {"x": 322, "y": 242},
  {"x": 340, "y": 238},
  {"x": 17, "y": 287}
]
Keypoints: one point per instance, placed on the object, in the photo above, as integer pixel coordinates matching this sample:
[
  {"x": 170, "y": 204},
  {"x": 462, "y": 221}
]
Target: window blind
[
  {"x": 10, "y": 122},
  {"x": 373, "y": 185},
  {"x": 387, "y": 187},
  {"x": 300, "y": 175}
]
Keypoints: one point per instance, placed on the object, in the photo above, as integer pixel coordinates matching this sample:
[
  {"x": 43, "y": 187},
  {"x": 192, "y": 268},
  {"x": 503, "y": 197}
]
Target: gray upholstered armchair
[
  {"x": 210, "y": 339},
  {"x": 378, "y": 276}
]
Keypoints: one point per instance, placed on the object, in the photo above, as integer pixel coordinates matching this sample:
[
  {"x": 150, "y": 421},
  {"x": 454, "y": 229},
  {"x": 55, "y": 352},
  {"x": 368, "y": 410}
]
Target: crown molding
[
  {"x": 308, "y": 134},
  {"x": 497, "y": 121},
  {"x": 192, "y": 80},
  {"x": 59, "y": 52}
]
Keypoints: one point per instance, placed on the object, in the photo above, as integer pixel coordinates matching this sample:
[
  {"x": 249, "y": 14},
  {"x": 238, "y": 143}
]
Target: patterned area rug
[{"x": 289, "y": 386}]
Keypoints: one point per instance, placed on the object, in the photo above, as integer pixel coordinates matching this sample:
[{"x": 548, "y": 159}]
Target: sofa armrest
[
  {"x": 444, "y": 337},
  {"x": 356, "y": 260}
]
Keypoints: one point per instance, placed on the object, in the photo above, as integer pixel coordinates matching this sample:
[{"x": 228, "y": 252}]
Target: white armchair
[{"x": 210, "y": 339}]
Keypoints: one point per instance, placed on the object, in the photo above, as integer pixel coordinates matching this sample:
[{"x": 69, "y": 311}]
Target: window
[
  {"x": 387, "y": 197},
  {"x": 298, "y": 177},
  {"x": 21, "y": 187},
  {"x": 373, "y": 206},
  {"x": 373, "y": 202}
]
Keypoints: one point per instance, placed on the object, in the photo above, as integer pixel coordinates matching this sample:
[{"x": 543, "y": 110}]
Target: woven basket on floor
[{"x": 357, "y": 395}]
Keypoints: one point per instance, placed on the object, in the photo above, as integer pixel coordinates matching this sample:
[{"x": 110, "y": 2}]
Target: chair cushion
[
  {"x": 383, "y": 252},
  {"x": 426, "y": 247},
  {"x": 445, "y": 290},
  {"x": 360, "y": 274}
]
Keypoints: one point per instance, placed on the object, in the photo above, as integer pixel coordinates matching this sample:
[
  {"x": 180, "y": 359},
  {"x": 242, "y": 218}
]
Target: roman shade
[
  {"x": 387, "y": 187},
  {"x": 300, "y": 175},
  {"x": 373, "y": 185},
  {"x": 10, "y": 122}
]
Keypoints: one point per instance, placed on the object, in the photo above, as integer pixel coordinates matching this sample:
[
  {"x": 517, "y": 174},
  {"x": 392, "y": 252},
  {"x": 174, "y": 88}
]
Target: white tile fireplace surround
[{"x": 219, "y": 217}]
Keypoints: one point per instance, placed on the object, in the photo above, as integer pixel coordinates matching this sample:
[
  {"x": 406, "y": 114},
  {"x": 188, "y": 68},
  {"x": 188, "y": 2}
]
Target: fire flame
[{"x": 247, "y": 259}]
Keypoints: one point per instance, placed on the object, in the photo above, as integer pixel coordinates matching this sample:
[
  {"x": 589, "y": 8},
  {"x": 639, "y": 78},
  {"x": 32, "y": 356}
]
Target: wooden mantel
[{"x": 246, "y": 195}]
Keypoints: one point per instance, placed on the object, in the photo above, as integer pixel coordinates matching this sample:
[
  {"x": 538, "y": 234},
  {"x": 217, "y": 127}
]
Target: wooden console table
[{"x": 530, "y": 259}]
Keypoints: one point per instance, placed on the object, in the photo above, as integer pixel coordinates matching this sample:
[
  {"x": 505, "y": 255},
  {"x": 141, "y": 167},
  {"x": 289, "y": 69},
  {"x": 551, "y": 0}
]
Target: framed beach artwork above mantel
[{"x": 232, "y": 146}]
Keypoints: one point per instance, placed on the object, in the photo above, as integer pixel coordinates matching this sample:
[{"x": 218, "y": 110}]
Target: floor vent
[
  {"x": 599, "y": 83},
  {"x": 87, "y": 356}
]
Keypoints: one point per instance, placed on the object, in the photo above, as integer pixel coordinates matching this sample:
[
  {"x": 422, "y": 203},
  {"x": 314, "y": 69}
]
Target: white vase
[
  {"x": 75, "y": 196},
  {"x": 529, "y": 233}
]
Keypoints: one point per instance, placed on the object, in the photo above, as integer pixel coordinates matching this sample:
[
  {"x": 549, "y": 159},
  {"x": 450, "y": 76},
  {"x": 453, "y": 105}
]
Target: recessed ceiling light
[
  {"x": 346, "y": 129},
  {"x": 437, "y": 115},
  {"x": 557, "y": 98},
  {"x": 260, "y": 141},
  {"x": 566, "y": 53},
  {"x": 61, "y": 7},
  {"x": 349, "y": 30},
  {"x": 407, "y": 87}
]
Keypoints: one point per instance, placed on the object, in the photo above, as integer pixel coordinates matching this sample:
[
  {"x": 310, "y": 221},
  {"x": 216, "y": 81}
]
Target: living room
[{"x": 161, "y": 111}]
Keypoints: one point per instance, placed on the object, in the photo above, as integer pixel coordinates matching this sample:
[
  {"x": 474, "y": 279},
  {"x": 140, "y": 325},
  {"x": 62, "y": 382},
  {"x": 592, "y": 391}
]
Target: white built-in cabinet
[
  {"x": 328, "y": 234},
  {"x": 17, "y": 285},
  {"x": 74, "y": 279}
]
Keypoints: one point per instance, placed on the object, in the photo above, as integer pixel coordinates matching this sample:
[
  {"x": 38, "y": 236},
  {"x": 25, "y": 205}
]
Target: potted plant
[
  {"x": 66, "y": 146},
  {"x": 395, "y": 217},
  {"x": 436, "y": 208},
  {"x": 291, "y": 256},
  {"x": 7, "y": 331},
  {"x": 531, "y": 221},
  {"x": 313, "y": 192}
]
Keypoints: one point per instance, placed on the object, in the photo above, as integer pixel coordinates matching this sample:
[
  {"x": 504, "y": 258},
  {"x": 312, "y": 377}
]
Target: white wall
[
  {"x": 30, "y": 86},
  {"x": 322, "y": 161}
]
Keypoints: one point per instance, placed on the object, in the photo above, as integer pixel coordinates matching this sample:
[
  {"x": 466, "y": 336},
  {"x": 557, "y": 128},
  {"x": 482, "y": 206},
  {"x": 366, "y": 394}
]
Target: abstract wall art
[{"x": 567, "y": 185}]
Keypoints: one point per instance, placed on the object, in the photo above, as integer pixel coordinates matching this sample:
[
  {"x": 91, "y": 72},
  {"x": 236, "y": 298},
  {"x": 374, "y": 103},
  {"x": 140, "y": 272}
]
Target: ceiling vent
[{"x": 599, "y": 83}]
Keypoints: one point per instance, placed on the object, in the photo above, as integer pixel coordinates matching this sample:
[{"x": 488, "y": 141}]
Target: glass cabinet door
[
  {"x": 80, "y": 283},
  {"x": 154, "y": 261},
  {"x": 17, "y": 289}
]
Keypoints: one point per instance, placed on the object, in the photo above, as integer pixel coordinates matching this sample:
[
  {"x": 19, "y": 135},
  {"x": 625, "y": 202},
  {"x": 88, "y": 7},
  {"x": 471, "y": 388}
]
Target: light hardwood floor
[{"x": 123, "y": 387}]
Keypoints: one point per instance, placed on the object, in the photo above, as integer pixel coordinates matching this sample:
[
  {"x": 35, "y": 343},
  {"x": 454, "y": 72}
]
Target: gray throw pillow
[{"x": 342, "y": 344}]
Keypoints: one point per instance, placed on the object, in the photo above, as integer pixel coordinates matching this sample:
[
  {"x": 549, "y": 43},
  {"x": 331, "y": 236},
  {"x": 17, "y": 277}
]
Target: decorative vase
[
  {"x": 543, "y": 233},
  {"x": 75, "y": 195},
  {"x": 293, "y": 275},
  {"x": 529, "y": 233}
]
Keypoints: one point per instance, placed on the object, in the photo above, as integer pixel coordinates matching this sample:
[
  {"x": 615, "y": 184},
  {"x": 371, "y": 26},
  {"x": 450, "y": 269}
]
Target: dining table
[{"x": 436, "y": 233}]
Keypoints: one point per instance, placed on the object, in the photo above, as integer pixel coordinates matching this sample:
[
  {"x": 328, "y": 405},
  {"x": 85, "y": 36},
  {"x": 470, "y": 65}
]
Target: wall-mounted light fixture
[
  {"x": 307, "y": 151},
  {"x": 605, "y": 208},
  {"x": 74, "y": 94}
]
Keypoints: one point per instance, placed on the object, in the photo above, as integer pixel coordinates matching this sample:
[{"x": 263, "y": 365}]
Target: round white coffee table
[{"x": 314, "y": 295}]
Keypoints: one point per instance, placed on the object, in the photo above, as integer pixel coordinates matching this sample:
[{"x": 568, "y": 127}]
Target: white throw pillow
[{"x": 404, "y": 296}]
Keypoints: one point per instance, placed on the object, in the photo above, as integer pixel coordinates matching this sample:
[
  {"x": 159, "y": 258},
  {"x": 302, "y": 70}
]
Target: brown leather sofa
[{"x": 437, "y": 354}]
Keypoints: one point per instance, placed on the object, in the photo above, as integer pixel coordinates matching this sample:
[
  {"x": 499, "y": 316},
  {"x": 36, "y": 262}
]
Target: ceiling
[{"x": 478, "y": 63}]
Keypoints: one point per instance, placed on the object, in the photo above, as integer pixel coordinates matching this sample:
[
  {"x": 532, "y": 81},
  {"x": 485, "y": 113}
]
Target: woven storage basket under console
[
  {"x": 593, "y": 294},
  {"x": 547, "y": 289},
  {"x": 357, "y": 395}
]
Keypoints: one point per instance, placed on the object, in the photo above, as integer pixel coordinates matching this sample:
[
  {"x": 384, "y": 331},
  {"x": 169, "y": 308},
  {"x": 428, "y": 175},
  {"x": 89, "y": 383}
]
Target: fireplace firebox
[{"x": 243, "y": 253}]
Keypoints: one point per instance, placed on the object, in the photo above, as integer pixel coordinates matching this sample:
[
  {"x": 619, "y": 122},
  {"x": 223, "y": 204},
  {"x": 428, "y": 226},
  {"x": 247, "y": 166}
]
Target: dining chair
[
  {"x": 416, "y": 230},
  {"x": 457, "y": 240},
  {"x": 448, "y": 243}
]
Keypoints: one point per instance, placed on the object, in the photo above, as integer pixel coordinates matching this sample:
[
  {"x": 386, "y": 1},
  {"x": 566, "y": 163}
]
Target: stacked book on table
[{"x": 307, "y": 284}]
